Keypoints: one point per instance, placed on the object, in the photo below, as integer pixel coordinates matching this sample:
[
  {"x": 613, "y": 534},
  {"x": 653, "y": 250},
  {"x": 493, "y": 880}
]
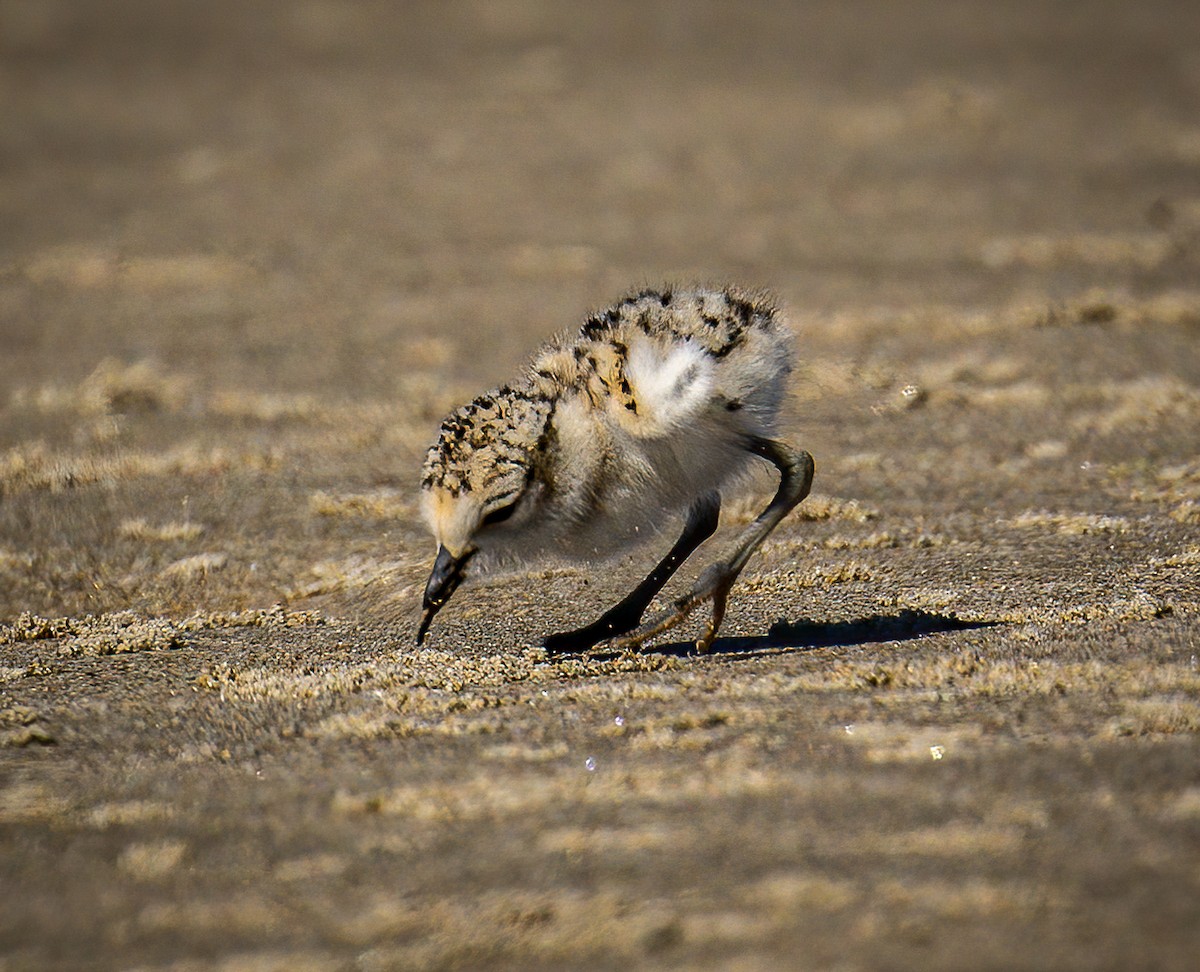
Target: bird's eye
[{"x": 500, "y": 514}]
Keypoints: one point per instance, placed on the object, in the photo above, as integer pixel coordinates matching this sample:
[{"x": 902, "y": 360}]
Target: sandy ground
[{"x": 251, "y": 253}]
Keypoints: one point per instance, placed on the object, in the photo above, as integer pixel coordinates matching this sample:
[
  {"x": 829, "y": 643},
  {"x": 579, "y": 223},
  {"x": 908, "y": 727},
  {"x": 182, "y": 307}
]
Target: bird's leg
[
  {"x": 623, "y": 617},
  {"x": 795, "y": 480}
]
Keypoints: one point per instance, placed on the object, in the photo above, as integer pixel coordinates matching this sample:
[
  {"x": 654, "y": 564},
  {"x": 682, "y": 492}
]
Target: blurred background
[
  {"x": 251, "y": 253},
  {"x": 328, "y": 196}
]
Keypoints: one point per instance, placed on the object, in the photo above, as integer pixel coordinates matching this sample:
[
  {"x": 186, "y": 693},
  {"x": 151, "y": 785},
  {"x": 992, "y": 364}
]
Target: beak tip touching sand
[{"x": 444, "y": 578}]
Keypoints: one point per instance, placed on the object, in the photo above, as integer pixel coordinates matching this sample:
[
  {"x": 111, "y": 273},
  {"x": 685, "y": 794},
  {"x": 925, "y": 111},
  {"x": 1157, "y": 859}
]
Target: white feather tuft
[{"x": 670, "y": 383}]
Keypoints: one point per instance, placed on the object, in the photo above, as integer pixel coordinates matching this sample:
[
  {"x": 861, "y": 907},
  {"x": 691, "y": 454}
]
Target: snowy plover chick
[{"x": 650, "y": 409}]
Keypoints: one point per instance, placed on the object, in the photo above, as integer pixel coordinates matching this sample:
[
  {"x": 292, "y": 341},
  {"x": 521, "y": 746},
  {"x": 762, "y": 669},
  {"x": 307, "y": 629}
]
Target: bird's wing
[{"x": 670, "y": 384}]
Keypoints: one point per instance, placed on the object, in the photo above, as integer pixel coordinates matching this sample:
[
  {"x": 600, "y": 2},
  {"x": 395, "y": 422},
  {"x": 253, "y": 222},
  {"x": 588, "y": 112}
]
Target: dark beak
[{"x": 447, "y": 574}]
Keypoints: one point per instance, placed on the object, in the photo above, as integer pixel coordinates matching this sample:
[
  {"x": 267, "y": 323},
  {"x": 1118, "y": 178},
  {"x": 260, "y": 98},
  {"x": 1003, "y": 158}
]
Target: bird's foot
[
  {"x": 712, "y": 585},
  {"x": 572, "y": 642},
  {"x": 611, "y": 625}
]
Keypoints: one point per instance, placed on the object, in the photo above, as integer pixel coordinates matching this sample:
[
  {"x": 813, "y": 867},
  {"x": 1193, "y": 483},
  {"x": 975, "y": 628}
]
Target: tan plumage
[{"x": 651, "y": 407}]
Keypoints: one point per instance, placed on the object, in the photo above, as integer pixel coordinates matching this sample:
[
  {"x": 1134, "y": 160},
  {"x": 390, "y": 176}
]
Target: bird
[{"x": 652, "y": 409}]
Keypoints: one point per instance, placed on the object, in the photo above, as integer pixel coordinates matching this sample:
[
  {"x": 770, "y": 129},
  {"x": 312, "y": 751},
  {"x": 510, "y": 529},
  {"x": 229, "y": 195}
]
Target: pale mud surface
[{"x": 249, "y": 255}]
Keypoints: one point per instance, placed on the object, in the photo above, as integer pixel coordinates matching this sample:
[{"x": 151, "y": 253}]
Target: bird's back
[
  {"x": 655, "y": 400},
  {"x": 658, "y": 359}
]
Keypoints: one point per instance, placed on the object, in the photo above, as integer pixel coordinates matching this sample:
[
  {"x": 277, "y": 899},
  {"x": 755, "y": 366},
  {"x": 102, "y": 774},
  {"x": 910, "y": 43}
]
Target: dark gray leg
[
  {"x": 623, "y": 617},
  {"x": 795, "y": 480}
]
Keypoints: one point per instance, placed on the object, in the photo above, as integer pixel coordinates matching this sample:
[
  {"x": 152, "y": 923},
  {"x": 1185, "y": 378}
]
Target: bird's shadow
[{"x": 806, "y": 635}]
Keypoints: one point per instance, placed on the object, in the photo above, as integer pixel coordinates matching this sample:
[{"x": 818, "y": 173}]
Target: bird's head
[{"x": 479, "y": 485}]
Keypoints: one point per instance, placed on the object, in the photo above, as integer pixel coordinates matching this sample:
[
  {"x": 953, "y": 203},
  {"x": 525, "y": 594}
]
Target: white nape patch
[{"x": 670, "y": 383}]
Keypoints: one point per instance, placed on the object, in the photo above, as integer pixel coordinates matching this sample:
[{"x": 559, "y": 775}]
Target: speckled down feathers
[
  {"x": 613, "y": 426},
  {"x": 491, "y": 435},
  {"x": 593, "y": 359}
]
